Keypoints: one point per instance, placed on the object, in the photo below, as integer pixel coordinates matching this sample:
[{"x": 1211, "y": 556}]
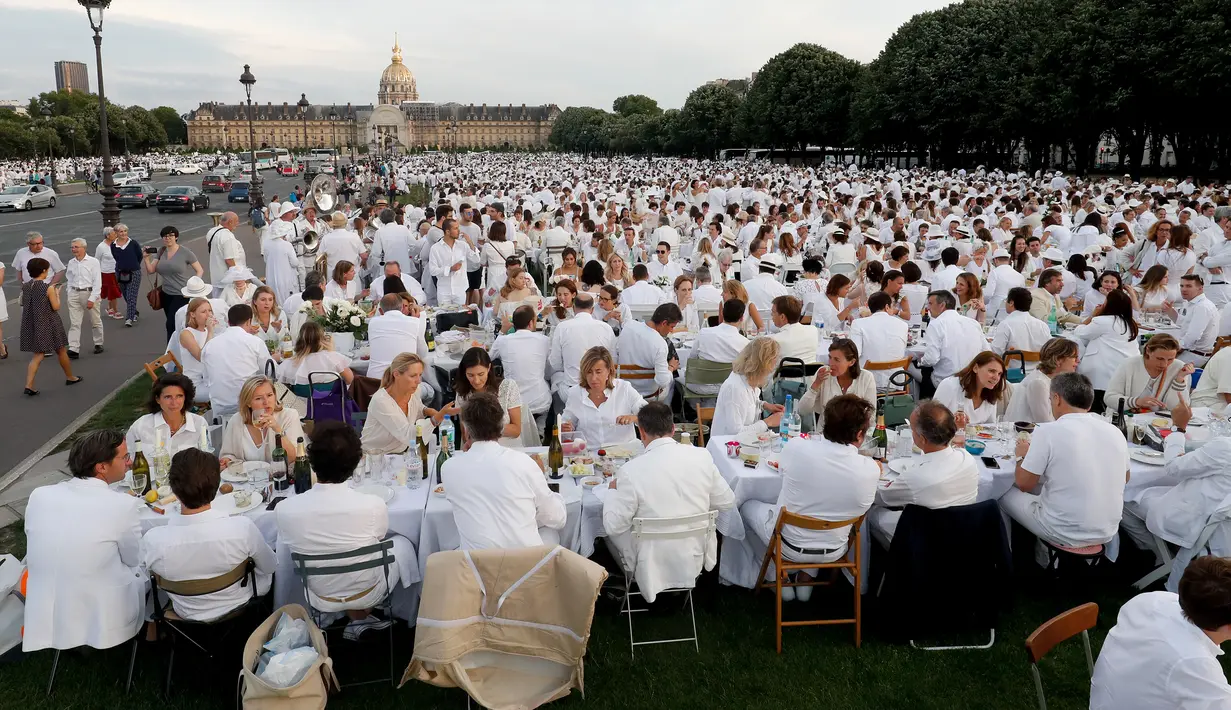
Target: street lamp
[
  {"x": 46, "y": 114},
  {"x": 303, "y": 111},
  {"x": 110, "y": 210},
  {"x": 72, "y": 134},
  {"x": 124, "y": 125},
  {"x": 254, "y": 190},
  {"x": 333, "y": 121}
]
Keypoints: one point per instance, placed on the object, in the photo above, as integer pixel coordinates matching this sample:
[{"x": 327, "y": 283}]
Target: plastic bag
[
  {"x": 288, "y": 634},
  {"x": 287, "y": 669}
]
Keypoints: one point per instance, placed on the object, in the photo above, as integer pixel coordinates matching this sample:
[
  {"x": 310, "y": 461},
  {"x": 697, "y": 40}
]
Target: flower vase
[{"x": 343, "y": 342}]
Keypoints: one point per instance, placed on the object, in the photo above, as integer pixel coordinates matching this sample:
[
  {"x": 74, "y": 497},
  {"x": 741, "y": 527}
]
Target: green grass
[
  {"x": 125, "y": 408},
  {"x": 417, "y": 195}
]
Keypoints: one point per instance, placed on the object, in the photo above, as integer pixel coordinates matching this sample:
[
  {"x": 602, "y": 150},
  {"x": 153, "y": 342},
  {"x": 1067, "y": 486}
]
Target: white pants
[
  {"x": 1186, "y": 356},
  {"x": 77, "y": 301},
  {"x": 759, "y": 519},
  {"x": 450, "y": 299},
  {"x": 1025, "y": 508}
]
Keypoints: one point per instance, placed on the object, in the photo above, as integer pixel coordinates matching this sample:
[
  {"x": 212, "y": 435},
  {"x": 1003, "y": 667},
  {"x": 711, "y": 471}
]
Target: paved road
[{"x": 26, "y": 423}]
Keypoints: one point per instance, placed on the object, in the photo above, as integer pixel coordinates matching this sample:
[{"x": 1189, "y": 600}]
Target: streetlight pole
[
  {"x": 124, "y": 125},
  {"x": 303, "y": 112},
  {"x": 110, "y": 210},
  {"x": 254, "y": 190},
  {"x": 46, "y": 114},
  {"x": 333, "y": 123}
]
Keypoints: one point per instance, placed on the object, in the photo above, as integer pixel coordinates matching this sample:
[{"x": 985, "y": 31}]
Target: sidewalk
[{"x": 13, "y": 499}]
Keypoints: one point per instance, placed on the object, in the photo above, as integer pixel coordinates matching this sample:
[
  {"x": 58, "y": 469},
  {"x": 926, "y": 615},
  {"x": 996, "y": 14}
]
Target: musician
[{"x": 309, "y": 222}]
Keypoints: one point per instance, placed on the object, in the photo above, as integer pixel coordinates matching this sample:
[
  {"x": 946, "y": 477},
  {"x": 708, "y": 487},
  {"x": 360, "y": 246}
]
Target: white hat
[
  {"x": 1000, "y": 254},
  {"x": 1054, "y": 254},
  {"x": 771, "y": 259},
  {"x": 934, "y": 230},
  {"x": 964, "y": 230},
  {"x": 238, "y": 273},
  {"x": 196, "y": 288},
  {"x": 287, "y": 208},
  {"x": 932, "y": 251}
]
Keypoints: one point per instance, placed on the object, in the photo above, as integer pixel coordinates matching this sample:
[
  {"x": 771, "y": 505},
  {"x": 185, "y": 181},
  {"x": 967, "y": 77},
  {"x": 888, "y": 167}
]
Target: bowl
[
  {"x": 1027, "y": 427},
  {"x": 975, "y": 448}
]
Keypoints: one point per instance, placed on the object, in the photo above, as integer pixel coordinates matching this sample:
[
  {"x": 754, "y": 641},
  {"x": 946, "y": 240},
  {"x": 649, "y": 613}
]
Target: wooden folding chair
[
  {"x": 626, "y": 371},
  {"x": 782, "y": 569},
  {"x": 883, "y": 365},
  {"x": 703, "y": 372},
  {"x": 1221, "y": 342},
  {"x": 1060, "y": 628},
  {"x": 151, "y": 368}
]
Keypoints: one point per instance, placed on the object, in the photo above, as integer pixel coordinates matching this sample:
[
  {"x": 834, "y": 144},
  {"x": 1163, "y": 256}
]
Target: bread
[{"x": 226, "y": 488}]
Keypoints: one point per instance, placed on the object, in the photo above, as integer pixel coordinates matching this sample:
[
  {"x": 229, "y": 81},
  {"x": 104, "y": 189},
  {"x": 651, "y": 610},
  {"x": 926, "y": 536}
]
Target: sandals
[
  {"x": 73, "y": 382},
  {"x": 4, "y": 352},
  {"x": 30, "y": 392}
]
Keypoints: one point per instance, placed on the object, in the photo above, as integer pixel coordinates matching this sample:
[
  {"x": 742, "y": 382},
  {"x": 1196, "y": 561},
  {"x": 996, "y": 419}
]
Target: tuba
[{"x": 323, "y": 193}]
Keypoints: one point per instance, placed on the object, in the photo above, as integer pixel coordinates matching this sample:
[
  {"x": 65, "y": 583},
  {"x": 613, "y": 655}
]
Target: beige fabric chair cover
[
  {"x": 509, "y": 627},
  {"x": 310, "y": 693}
]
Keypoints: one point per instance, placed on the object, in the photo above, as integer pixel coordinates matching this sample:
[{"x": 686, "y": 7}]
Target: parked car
[
  {"x": 185, "y": 169},
  {"x": 27, "y": 197},
  {"x": 215, "y": 182},
  {"x": 142, "y": 172},
  {"x": 287, "y": 170},
  {"x": 182, "y": 197},
  {"x": 142, "y": 195},
  {"x": 124, "y": 178},
  {"x": 238, "y": 193}
]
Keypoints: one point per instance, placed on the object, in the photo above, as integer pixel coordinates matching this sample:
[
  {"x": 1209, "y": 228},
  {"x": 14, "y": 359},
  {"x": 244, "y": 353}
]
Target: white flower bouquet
[
  {"x": 662, "y": 282},
  {"x": 340, "y": 317}
]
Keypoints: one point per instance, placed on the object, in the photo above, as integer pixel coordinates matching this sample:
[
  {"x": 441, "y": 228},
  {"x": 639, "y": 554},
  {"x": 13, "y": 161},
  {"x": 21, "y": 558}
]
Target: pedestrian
[
  {"x": 41, "y": 328},
  {"x": 175, "y": 265},
  {"x": 111, "y": 288},
  {"x": 83, "y": 277},
  {"x": 4, "y": 315},
  {"x": 127, "y": 253}
]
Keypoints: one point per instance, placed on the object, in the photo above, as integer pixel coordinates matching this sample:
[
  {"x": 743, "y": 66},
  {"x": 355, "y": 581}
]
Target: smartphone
[
  {"x": 274, "y": 503},
  {"x": 151, "y": 250},
  {"x": 990, "y": 462},
  {"x": 553, "y": 487}
]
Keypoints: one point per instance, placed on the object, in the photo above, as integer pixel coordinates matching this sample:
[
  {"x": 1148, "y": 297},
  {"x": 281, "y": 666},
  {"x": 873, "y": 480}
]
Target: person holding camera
[{"x": 175, "y": 264}]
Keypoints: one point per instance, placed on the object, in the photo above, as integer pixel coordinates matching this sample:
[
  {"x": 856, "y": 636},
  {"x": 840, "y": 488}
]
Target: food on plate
[
  {"x": 1160, "y": 422},
  {"x": 164, "y": 491},
  {"x": 151, "y": 497},
  {"x": 578, "y": 469},
  {"x": 439, "y": 490},
  {"x": 592, "y": 482},
  {"x": 226, "y": 488},
  {"x": 618, "y": 452},
  {"x": 586, "y": 460},
  {"x": 167, "y": 500}
]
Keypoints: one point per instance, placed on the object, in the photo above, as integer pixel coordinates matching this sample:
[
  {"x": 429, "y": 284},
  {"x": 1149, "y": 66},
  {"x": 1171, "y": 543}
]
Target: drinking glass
[{"x": 138, "y": 482}]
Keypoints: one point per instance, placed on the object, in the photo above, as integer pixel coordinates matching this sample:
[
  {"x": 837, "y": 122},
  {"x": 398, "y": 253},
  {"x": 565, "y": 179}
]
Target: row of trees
[
  {"x": 980, "y": 81},
  {"x": 72, "y": 127}
]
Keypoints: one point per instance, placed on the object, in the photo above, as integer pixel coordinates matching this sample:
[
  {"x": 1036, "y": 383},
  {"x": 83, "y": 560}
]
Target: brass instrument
[{"x": 323, "y": 193}]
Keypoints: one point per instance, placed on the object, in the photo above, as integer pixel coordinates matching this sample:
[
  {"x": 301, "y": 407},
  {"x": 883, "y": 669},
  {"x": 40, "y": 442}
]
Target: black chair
[
  {"x": 447, "y": 321},
  {"x": 949, "y": 569}
]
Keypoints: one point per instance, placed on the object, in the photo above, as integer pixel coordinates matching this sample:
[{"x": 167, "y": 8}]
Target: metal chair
[
  {"x": 703, "y": 372},
  {"x": 701, "y": 526},
  {"x": 642, "y": 311},
  {"x": 385, "y": 561},
  {"x": 1164, "y": 569},
  {"x": 782, "y": 569},
  {"x": 132, "y": 662},
  {"x": 151, "y": 367},
  {"x": 1060, "y": 628},
  {"x": 244, "y": 574}
]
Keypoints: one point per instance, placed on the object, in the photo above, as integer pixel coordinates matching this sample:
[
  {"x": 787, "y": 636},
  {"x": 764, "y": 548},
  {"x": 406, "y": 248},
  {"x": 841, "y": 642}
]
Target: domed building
[
  {"x": 397, "y": 123},
  {"x": 397, "y": 83}
]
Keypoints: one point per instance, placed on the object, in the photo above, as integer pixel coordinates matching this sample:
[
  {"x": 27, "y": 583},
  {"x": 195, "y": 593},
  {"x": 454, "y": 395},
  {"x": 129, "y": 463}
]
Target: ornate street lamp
[
  {"x": 254, "y": 190},
  {"x": 110, "y": 211},
  {"x": 303, "y": 112},
  {"x": 124, "y": 125},
  {"x": 72, "y": 134},
  {"x": 333, "y": 121},
  {"x": 46, "y": 114}
]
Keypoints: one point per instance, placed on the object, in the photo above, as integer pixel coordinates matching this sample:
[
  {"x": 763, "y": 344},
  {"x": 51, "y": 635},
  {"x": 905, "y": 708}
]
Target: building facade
[
  {"x": 398, "y": 122},
  {"x": 72, "y": 76}
]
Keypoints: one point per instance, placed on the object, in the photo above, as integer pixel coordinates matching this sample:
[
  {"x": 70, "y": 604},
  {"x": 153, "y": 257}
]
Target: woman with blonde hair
[
  {"x": 617, "y": 272},
  {"x": 704, "y": 254},
  {"x": 395, "y": 408},
  {"x": 739, "y": 407},
  {"x": 973, "y": 392},
  {"x": 1031, "y": 401},
  {"x": 605, "y": 250},
  {"x": 266, "y": 315},
  {"x": 600, "y": 408},
  {"x": 312, "y": 355},
  {"x": 734, "y": 289},
  {"x": 250, "y": 433},
  {"x": 1156, "y": 379},
  {"x": 198, "y": 330},
  {"x": 970, "y": 296}
]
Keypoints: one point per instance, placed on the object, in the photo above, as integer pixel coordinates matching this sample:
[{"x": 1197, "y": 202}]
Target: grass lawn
[{"x": 125, "y": 408}]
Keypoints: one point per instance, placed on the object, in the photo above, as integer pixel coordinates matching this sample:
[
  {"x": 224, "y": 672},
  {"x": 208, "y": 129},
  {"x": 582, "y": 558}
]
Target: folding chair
[
  {"x": 132, "y": 662},
  {"x": 1060, "y": 628},
  {"x": 151, "y": 368},
  {"x": 1017, "y": 374},
  {"x": 625, "y": 371},
  {"x": 1164, "y": 569},
  {"x": 244, "y": 574},
  {"x": 842, "y": 267},
  {"x": 642, "y": 311},
  {"x": 385, "y": 547},
  {"x": 1221, "y": 342},
  {"x": 782, "y": 569},
  {"x": 703, "y": 372},
  {"x": 684, "y": 527}
]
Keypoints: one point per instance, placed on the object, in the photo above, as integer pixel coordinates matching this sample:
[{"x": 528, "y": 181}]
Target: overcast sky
[{"x": 582, "y": 53}]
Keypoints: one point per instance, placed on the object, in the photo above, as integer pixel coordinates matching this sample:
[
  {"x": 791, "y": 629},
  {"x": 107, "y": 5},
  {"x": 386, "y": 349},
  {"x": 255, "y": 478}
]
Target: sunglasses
[{"x": 660, "y": 251}]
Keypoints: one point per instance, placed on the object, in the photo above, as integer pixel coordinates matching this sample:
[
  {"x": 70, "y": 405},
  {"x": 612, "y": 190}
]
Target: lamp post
[
  {"x": 333, "y": 123},
  {"x": 124, "y": 125},
  {"x": 254, "y": 190},
  {"x": 72, "y": 136},
  {"x": 46, "y": 114},
  {"x": 110, "y": 210},
  {"x": 303, "y": 112}
]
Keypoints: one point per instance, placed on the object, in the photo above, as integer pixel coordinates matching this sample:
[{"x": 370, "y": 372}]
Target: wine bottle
[
  {"x": 555, "y": 454},
  {"x": 422, "y": 449},
  {"x": 278, "y": 470},
  {"x": 445, "y": 445},
  {"x": 880, "y": 436},
  {"x": 141, "y": 467},
  {"x": 303, "y": 469},
  {"x": 1120, "y": 421}
]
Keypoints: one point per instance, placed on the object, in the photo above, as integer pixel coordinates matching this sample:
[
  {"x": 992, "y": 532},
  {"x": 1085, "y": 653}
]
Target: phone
[
  {"x": 274, "y": 503},
  {"x": 151, "y": 250},
  {"x": 990, "y": 462},
  {"x": 553, "y": 487}
]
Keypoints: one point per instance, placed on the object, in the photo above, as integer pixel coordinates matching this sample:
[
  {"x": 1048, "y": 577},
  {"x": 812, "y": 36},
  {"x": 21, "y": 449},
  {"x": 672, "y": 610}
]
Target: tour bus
[
  {"x": 283, "y": 156},
  {"x": 326, "y": 153},
  {"x": 265, "y": 159}
]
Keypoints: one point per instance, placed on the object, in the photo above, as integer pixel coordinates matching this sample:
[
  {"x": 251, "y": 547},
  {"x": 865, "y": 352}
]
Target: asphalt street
[{"x": 26, "y": 423}]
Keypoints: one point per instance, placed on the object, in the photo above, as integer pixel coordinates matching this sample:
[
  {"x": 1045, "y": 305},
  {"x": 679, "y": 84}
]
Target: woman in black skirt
[{"x": 42, "y": 331}]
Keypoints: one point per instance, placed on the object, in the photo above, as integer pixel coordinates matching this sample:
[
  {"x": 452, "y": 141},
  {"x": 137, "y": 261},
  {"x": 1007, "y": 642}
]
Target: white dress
[
  {"x": 510, "y": 398},
  {"x": 193, "y": 369},
  {"x": 297, "y": 370}
]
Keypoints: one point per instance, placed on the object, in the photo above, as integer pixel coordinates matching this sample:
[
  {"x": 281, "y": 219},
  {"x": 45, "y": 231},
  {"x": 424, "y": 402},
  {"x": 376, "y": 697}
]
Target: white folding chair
[
  {"x": 1160, "y": 572},
  {"x": 642, "y": 311},
  {"x": 842, "y": 267},
  {"x": 699, "y": 526}
]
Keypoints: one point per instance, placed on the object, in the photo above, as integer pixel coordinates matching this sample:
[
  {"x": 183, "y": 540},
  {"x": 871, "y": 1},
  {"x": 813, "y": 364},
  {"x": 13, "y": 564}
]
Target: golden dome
[
  {"x": 396, "y": 72},
  {"x": 397, "y": 83}
]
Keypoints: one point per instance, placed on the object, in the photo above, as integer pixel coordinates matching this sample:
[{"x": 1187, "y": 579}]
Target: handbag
[
  {"x": 1014, "y": 374},
  {"x": 154, "y": 295},
  {"x": 789, "y": 367},
  {"x": 312, "y": 690},
  {"x": 897, "y": 407},
  {"x": 123, "y": 277}
]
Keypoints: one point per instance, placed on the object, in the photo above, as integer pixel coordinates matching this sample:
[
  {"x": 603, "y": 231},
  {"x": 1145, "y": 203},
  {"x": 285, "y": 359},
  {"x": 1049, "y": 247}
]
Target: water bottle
[
  {"x": 446, "y": 430},
  {"x": 784, "y": 426},
  {"x": 797, "y": 424}
]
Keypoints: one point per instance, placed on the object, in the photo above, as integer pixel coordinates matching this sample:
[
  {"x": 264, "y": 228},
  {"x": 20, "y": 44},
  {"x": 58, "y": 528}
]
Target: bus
[
  {"x": 265, "y": 159},
  {"x": 283, "y": 156},
  {"x": 325, "y": 153}
]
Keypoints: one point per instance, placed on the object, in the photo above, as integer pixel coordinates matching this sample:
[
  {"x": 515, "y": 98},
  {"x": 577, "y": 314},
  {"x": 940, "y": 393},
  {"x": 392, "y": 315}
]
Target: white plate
[
  {"x": 589, "y": 470},
  {"x": 1147, "y": 456},
  {"x": 231, "y": 475},
  {"x": 591, "y": 482},
  {"x": 379, "y": 490},
  {"x": 901, "y": 466},
  {"x": 438, "y": 491},
  {"x": 226, "y": 503}
]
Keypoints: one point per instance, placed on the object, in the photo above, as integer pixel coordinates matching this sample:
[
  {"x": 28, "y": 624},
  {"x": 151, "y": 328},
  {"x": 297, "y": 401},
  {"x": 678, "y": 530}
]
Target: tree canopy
[{"x": 72, "y": 127}]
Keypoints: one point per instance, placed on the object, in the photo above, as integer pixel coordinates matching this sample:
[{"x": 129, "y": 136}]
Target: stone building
[{"x": 398, "y": 122}]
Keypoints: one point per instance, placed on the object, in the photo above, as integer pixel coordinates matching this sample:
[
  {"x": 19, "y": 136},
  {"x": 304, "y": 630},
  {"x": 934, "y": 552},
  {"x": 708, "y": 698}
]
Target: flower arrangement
[
  {"x": 662, "y": 282},
  {"x": 339, "y": 317}
]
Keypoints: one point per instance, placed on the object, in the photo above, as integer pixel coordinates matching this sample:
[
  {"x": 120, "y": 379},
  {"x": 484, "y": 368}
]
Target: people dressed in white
[
  {"x": 1197, "y": 319},
  {"x": 1019, "y": 330},
  {"x": 643, "y": 346},
  {"x": 448, "y": 262},
  {"x": 1213, "y": 390},
  {"x": 83, "y": 278},
  {"x": 281, "y": 268},
  {"x": 225, "y": 251},
  {"x": 642, "y": 292},
  {"x": 951, "y": 341},
  {"x": 1031, "y": 400},
  {"x": 1156, "y": 379},
  {"x": 739, "y": 407},
  {"x": 571, "y": 339},
  {"x": 392, "y": 332},
  {"x": 230, "y": 358},
  {"x": 524, "y": 355},
  {"x": 342, "y": 245},
  {"x": 601, "y": 409},
  {"x": 764, "y": 287},
  {"x": 880, "y": 337}
]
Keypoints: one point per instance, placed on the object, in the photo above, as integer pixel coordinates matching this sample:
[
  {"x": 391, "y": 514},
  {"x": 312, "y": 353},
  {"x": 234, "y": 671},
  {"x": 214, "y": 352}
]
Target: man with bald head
[{"x": 224, "y": 249}]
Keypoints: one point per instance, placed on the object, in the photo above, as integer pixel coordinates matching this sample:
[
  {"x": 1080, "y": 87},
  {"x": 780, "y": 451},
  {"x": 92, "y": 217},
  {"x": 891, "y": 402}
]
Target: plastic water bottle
[
  {"x": 784, "y": 426},
  {"x": 797, "y": 424},
  {"x": 446, "y": 430}
]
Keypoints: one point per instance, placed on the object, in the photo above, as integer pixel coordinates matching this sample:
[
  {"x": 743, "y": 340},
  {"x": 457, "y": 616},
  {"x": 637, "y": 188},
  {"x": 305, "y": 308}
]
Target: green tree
[
  {"x": 708, "y": 120},
  {"x": 802, "y": 97},
  {"x": 636, "y": 105},
  {"x": 173, "y": 124}
]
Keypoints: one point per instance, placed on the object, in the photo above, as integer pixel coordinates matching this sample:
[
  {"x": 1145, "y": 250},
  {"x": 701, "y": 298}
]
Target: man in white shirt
[
  {"x": 1084, "y": 460},
  {"x": 642, "y": 292},
  {"x": 644, "y": 346},
  {"x": 706, "y": 295},
  {"x": 723, "y": 343},
  {"x": 750, "y": 267},
  {"x": 945, "y": 278},
  {"x": 764, "y": 287},
  {"x": 822, "y": 477},
  {"x": 201, "y": 542},
  {"x": 332, "y": 518},
  {"x": 395, "y": 331},
  {"x": 230, "y": 358},
  {"x": 1019, "y": 330},
  {"x": 571, "y": 339},
  {"x": 447, "y": 264},
  {"x": 668, "y": 481},
  {"x": 880, "y": 337},
  {"x": 500, "y": 497},
  {"x": 34, "y": 249},
  {"x": 224, "y": 249},
  {"x": 1197, "y": 319},
  {"x": 1213, "y": 390},
  {"x": 943, "y": 477},
  {"x": 86, "y": 585},
  {"x": 663, "y": 266},
  {"x": 394, "y": 268},
  {"x": 84, "y": 281},
  {"x": 524, "y": 356},
  {"x": 392, "y": 243},
  {"x": 666, "y": 233},
  {"x": 952, "y": 340},
  {"x": 794, "y": 338},
  {"x": 343, "y": 245},
  {"x": 1163, "y": 651},
  {"x": 106, "y": 262},
  {"x": 1000, "y": 279},
  {"x": 1218, "y": 258}
]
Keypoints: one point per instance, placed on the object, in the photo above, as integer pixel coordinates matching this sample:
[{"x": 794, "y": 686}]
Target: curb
[{"x": 43, "y": 451}]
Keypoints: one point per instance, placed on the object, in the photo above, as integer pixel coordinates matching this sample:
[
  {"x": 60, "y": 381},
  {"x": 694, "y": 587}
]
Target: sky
[{"x": 180, "y": 53}]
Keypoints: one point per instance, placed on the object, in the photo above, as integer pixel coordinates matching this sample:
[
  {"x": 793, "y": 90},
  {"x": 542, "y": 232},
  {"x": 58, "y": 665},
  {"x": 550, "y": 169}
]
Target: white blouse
[
  {"x": 193, "y": 369},
  {"x": 1031, "y": 400},
  {"x": 949, "y": 393},
  {"x": 232, "y": 298},
  {"x": 738, "y": 411},
  {"x": 814, "y": 401},
  {"x": 389, "y": 430},
  {"x": 237, "y": 443},
  {"x": 597, "y": 424},
  {"x": 151, "y": 427},
  {"x": 296, "y": 370},
  {"x": 334, "y": 290}
]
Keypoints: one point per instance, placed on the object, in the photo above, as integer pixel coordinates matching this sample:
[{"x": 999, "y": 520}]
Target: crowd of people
[{"x": 590, "y": 272}]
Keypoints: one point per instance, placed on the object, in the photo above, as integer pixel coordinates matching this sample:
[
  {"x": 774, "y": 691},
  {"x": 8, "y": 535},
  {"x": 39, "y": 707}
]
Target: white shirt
[
  {"x": 670, "y": 270},
  {"x": 392, "y": 242},
  {"x": 24, "y": 255},
  {"x": 1214, "y": 383},
  {"x": 639, "y": 344},
  {"x": 149, "y": 429},
  {"x": 763, "y": 289},
  {"x": 939, "y": 479},
  {"x": 597, "y": 424},
  {"x": 708, "y": 297},
  {"x": 880, "y": 338},
  {"x": 668, "y": 481},
  {"x": 1083, "y": 461},
  {"x": 524, "y": 356},
  {"x": 643, "y": 293},
  {"x": 1020, "y": 331},
  {"x": 722, "y": 343},
  {"x": 391, "y": 334},
  {"x": 389, "y": 430},
  {"x": 570, "y": 340},
  {"x": 738, "y": 410},
  {"x": 1154, "y": 657},
  {"x": 1201, "y": 481},
  {"x": 86, "y": 273},
  {"x": 105, "y": 258},
  {"x": 230, "y": 358},
  {"x": 945, "y": 278},
  {"x": 413, "y": 287},
  {"x": 222, "y": 245},
  {"x": 500, "y": 498},
  {"x": 348, "y": 293},
  {"x": 1107, "y": 345},
  {"x": 1198, "y": 324},
  {"x": 949, "y": 393},
  {"x": 826, "y": 480},
  {"x": 749, "y": 268},
  {"x": 798, "y": 340},
  {"x": 1031, "y": 401},
  {"x": 202, "y": 546},
  {"x": 451, "y": 284},
  {"x": 342, "y": 245},
  {"x": 297, "y": 370},
  {"x": 951, "y": 342}
]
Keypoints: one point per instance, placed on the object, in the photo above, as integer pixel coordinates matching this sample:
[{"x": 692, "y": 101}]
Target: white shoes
[
  {"x": 788, "y": 594},
  {"x": 803, "y": 594}
]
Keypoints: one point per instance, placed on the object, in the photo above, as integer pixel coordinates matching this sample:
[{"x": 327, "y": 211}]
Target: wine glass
[{"x": 138, "y": 483}]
